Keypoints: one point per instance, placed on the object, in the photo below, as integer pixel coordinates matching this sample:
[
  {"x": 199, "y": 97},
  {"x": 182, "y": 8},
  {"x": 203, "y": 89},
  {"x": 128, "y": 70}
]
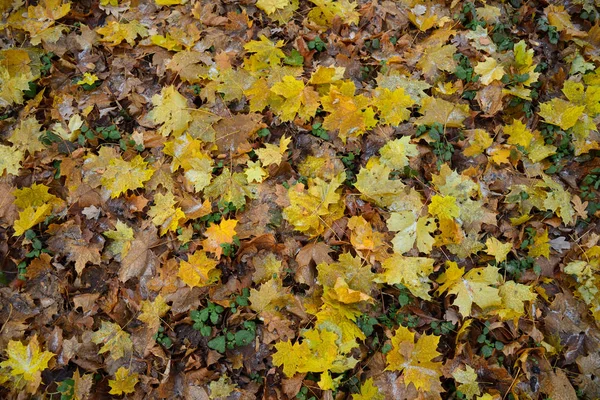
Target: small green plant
[
  {"x": 264, "y": 132},
  {"x": 373, "y": 44},
  {"x": 489, "y": 344},
  {"x": 206, "y": 318},
  {"x": 464, "y": 70},
  {"x": 316, "y": 44},
  {"x": 37, "y": 249},
  {"x": 516, "y": 268},
  {"x": 303, "y": 394},
  {"x": 294, "y": 59},
  {"x": 442, "y": 327},
  {"x": 230, "y": 340},
  {"x": 468, "y": 17},
  {"x": 46, "y": 60},
  {"x": 544, "y": 26},
  {"x": 501, "y": 37},
  {"x": 162, "y": 338},
  {"x": 367, "y": 324},
  {"x": 196, "y": 89},
  {"x": 229, "y": 249},
  {"x": 407, "y": 320},
  {"x": 241, "y": 300},
  {"x": 318, "y": 131},
  {"x": 66, "y": 389},
  {"x": 350, "y": 161},
  {"x": 589, "y": 184}
]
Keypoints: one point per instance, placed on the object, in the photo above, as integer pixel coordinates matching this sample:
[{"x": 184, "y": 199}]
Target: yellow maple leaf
[
  {"x": 344, "y": 294},
  {"x": 265, "y": 50},
  {"x": 10, "y": 160},
  {"x": 87, "y": 79},
  {"x": 559, "y": 201},
  {"x": 468, "y": 381},
  {"x": 325, "y": 11},
  {"x": 271, "y": 297},
  {"x": 392, "y": 105},
  {"x": 171, "y": 110},
  {"x": 312, "y": 211},
  {"x": 412, "y": 272},
  {"x": 561, "y": 113},
  {"x": 414, "y": 360},
  {"x": 363, "y": 236},
  {"x": 368, "y": 391},
  {"x": 35, "y": 204},
  {"x": 12, "y": 87},
  {"x": 513, "y": 297},
  {"x": 121, "y": 176},
  {"x": 116, "y": 32},
  {"x": 221, "y": 388},
  {"x": 124, "y": 382},
  {"x": 395, "y": 152},
  {"x": 299, "y": 99},
  {"x": 497, "y": 249},
  {"x": 26, "y": 363},
  {"x": 26, "y": 136},
  {"x": 348, "y": 114},
  {"x": 480, "y": 141},
  {"x": 114, "y": 340},
  {"x": 270, "y": 6},
  {"x": 122, "y": 237},
  {"x": 439, "y": 57},
  {"x": 518, "y": 134},
  {"x": 473, "y": 287},
  {"x": 489, "y": 70},
  {"x": 199, "y": 270},
  {"x": 410, "y": 230},
  {"x": 443, "y": 207},
  {"x": 374, "y": 183},
  {"x": 272, "y": 154},
  {"x": 524, "y": 62},
  {"x": 540, "y": 246},
  {"x": 152, "y": 311},
  {"x": 255, "y": 172},
  {"x": 443, "y": 112},
  {"x": 164, "y": 213},
  {"x": 318, "y": 352},
  {"x": 216, "y": 235}
]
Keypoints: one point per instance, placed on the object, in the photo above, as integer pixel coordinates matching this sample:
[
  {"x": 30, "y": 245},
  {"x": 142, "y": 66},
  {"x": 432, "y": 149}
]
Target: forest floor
[{"x": 285, "y": 199}]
